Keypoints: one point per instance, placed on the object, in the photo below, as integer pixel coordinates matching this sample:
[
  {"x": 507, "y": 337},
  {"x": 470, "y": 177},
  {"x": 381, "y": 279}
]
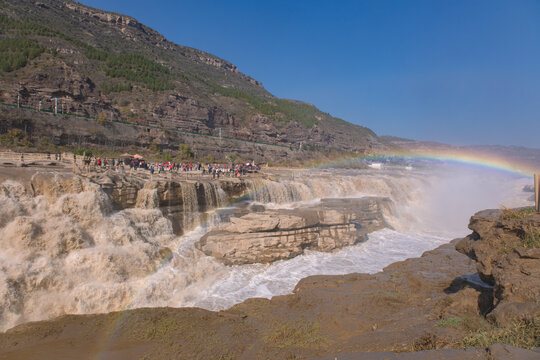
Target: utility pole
[
  {"x": 39, "y": 106},
  {"x": 219, "y": 133},
  {"x": 537, "y": 192},
  {"x": 55, "y": 106},
  {"x": 18, "y": 101}
]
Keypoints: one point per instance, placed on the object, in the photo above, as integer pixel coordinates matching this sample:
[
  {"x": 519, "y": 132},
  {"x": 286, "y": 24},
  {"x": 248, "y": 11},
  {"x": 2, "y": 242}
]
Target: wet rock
[{"x": 282, "y": 234}]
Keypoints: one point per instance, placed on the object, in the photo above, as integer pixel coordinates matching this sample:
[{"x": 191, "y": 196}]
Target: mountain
[{"x": 109, "y": 70}]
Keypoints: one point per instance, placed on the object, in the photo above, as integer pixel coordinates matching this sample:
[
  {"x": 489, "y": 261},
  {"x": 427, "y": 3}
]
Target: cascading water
[
  {"x": 214, "y": 196},
  {"x": 190, "y": 205},
  {"x": 65, "y": 250}
]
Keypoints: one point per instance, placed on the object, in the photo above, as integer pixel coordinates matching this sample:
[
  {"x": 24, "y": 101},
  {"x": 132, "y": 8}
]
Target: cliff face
[
  {"x": 182, "y": 202},
  {"x": 506, "y": 248},
  {"x": 113, "y": 68}
]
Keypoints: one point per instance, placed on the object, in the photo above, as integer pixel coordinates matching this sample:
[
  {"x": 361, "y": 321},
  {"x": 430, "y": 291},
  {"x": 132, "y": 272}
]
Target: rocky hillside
[{"x": 114, "y": 70}]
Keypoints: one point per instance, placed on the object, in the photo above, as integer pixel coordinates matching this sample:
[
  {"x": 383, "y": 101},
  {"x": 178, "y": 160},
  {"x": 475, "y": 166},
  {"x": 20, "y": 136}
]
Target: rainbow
[
  {"x": 478, "y": 159},
  {"x": 459, "y": 156}
]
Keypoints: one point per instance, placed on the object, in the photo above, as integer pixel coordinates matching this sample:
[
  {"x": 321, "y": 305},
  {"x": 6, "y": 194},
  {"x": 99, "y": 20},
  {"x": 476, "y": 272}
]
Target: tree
[
  {"x": 209, "y": 158},
  {"x": 185, "y": 151},
  {"x": 232, "y": 158},
  {"x": 154, "y": 147},
  {"x": 102, "y": 119}
]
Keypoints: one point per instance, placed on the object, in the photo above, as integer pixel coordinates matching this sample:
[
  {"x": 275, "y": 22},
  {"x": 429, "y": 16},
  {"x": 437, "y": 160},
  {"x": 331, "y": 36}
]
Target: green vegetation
[
  {"x": 209, "y": 159},
  {"x": 304, "y": 334},
  {"x": 110, "y": 88},
  {"x": 14, "y": 137},
  {"x": 132, "y": 67},
  {"x": 510, "y": 214},
  {"x": 138, "y": 69},
  {"x": 81, "y": 152},
  {"x": 9, "y": 25},
  {"x": 15, "y": 53},
  {"x": 523, "y": 333},
  {"x": 155, "y": 148},
  {"x": 185, "y": 152},
  {"x": 102, "y": 119},
  {"x": 531, "y": 238},
  {"x": 279, "y": 109},
  {"x": 450, "y": 322}
]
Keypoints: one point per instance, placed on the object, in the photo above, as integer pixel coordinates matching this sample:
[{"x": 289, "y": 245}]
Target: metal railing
[{"x": 52, "y": 112}]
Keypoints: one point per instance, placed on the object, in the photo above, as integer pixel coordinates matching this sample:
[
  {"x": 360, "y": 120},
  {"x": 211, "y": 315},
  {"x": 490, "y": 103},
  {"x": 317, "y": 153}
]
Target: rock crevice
[{"x": 283, "y": 234}]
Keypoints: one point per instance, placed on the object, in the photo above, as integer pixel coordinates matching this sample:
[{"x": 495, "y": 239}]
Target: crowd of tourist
[{"x": 215, "y": 170}]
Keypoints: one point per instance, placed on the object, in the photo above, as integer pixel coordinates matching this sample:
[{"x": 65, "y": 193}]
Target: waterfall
[
  {"x": 63, "y": 250},
  {"x": 147, "y": 198},
  {"x": 191, "y": 205},
  {"x": 309, "y": 188}
]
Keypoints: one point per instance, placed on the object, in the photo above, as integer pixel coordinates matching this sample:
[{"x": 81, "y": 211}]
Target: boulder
[
  {"x": 507, "y": 254},
  {"x": 283, "y": 234}
]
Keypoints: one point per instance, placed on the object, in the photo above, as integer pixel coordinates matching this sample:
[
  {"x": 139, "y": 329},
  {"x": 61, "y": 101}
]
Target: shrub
[
  {"x": 154, "y": 147},
  {"x": 14, "y": 137},
  {"x": 209, "y": 159},
  {"x": 15, "y": 53},
  {"x": 185, "y": 152},
  {"x": 102, "y": 119}
]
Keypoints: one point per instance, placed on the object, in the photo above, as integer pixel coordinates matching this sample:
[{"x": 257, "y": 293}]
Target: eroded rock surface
[
  {"x": 507, "y": 254},
  {"x": 283, "y": 234}
]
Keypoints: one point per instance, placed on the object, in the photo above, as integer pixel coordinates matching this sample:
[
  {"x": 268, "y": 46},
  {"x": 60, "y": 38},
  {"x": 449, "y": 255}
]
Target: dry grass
[
  {"x": 303, "y": 334},
  {"x": 523, "y": 333},
  {"x": 430, "y": 342},
  {"x": 509, "y": 214},
  {"x": 531, "y": 237}
]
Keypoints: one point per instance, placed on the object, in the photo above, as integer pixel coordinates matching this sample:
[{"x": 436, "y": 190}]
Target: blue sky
[{"x": 455, "y": 71}]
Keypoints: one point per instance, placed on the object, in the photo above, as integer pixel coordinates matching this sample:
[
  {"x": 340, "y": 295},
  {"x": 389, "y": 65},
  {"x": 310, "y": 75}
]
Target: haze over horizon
[{"x": 464, "y": 72}]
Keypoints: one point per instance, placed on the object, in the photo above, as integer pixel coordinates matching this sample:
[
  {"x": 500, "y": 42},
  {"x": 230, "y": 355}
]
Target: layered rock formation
[
  {"x": 165, "y": 90},
  {"x": 506, "y": 247},
  {"x": 424, "y": 303},
  {"x": 283, "y": 234},
  {"x": 182, "y": 202}
]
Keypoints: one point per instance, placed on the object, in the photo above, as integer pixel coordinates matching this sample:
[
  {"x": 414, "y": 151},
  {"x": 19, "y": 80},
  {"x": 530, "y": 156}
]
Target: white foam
[
  {"x": 70, "y": 254},
  {"x": 238, "y": 283}
]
